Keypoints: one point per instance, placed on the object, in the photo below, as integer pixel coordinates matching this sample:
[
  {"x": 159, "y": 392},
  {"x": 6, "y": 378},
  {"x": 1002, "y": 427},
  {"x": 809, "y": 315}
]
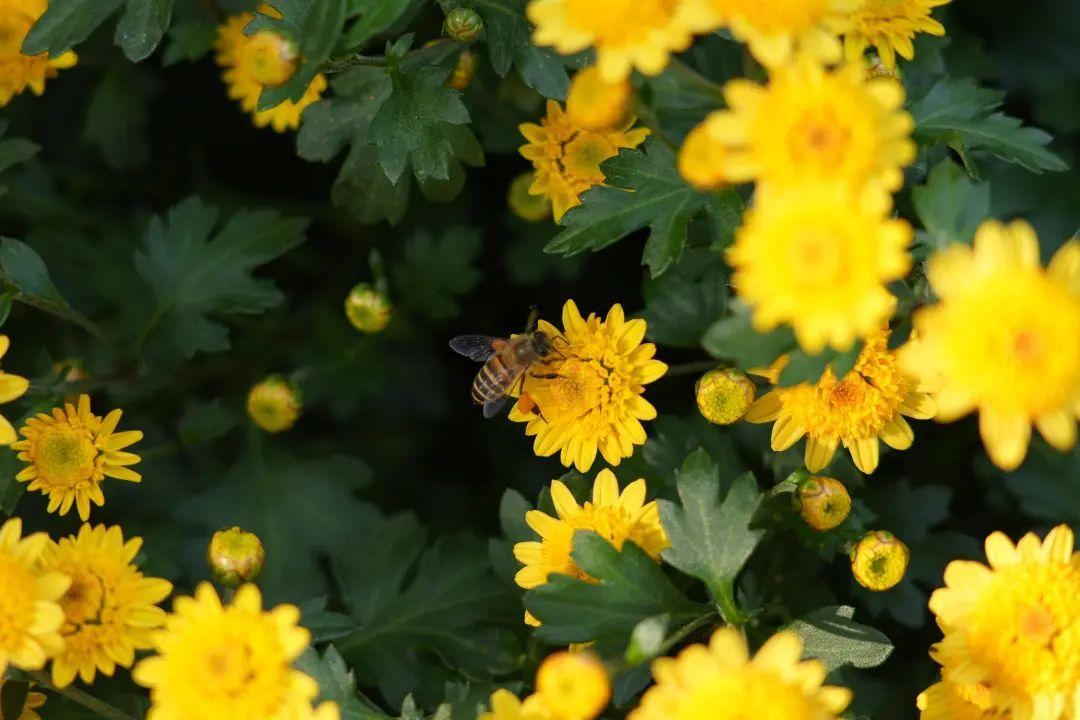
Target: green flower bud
[
  {"x": 274, "y": 404},
  {"x": 368, "y": 309},
  {"x": 724, "y": 395},
  {"x": 879, "y": 560},
  {"x": 235, "y": 557},
  {"x": 823, "y": 502},
  {"x": 463, "y": 24}
]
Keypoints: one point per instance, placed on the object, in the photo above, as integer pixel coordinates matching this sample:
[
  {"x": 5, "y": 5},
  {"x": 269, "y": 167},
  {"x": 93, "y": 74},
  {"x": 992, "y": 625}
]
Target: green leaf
[
  {"x": 710, "y": 540},
  {"x": 337, "y": 684},
  {"x": 831, "y": 635},
  {"x": 438, "y": 270},
  {"x": 1048, "y": 485},
  {"x": 325, "y": 625},
  {"x": 735, "y": 339},
  {"x": 682, "y": 304},
  {"x": 206, "y": 421},
  {"x": 376, "y": 17},
  {"x": 421, "y": 610},
  {"x": 24, "y": 271},
  {"x": 116, "y": 117},
  {"x": 509, "y": 41},
  {"x": 414, "y": 126},
  {"x": 198, "y": 271},
  {"x": 642, "y": 189},
  {"x": 14, "y": 151},
  {"x": 959, "y": 113},
  {"x": 950, "y": 206},
  {"x": 189, "y": 40},
  {"x": 630, "y": 587},
  {"x": 142, "y": 26},
  {"x": 805, "y": 368},
  {"x": 13, "y": 696},
  {"x": 65, "y": 24}
]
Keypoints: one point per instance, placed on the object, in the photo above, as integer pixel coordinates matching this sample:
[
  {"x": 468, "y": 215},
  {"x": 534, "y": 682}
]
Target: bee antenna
[{"x": 534, "y": 316}]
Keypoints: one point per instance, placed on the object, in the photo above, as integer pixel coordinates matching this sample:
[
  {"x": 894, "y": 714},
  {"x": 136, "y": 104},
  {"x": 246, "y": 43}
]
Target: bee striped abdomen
[{"x": 492, "y": 381}]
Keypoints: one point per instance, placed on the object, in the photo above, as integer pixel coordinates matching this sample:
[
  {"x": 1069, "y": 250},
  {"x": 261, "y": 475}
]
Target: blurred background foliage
[{"x": 190, "y": 255}]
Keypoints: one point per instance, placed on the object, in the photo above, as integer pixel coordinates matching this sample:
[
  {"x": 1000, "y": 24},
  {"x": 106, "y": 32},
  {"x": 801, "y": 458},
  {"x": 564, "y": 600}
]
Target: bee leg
[
  {"x": 545, "y": 376},
  {"x": 528, "y": 406}
]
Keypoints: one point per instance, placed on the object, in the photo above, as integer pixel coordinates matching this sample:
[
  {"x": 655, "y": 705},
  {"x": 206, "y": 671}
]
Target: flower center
[
  {"x": 83, "y": 601},
  {"x": 1037, "y": 624},
  {"x": 269, "y": 58},
  {"x": 821, "y": 139},
  {"x": 816, "y": 258},
  {"x": 66, "y": 455}
]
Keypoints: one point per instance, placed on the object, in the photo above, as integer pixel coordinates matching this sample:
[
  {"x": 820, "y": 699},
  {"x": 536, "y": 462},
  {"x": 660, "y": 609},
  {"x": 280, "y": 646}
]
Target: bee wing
[
  {"x": 492, "y": 407},
  {"x": 475, "y": 347}
]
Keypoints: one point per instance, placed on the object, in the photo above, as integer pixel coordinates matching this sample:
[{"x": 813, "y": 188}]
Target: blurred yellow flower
[
  {"x": 573, "y": 685},
  {"x": 1015, "y": 626},
  {"x": 1004, "y": 339},
  {"x": 589, "y": 390},
  {"x": 879, "y": 560},
  {"x": 627, "y": 34},
  {"x": 34, "y": 700},
  {"x": 810, "y": 124},
  {"x": 951, "y": 701},
  {"x": 505, "y": 705},
  {"x": 567, "y": 157},
  {"x": 71, "y": 452},
  {"x": 721, "y": 680},
  {"x": 869, "y": 404},
  {"x": 702, "y": 160},
  {"x": 12, "y": 387},
  {"x": 261, "y": 60},
  {"x": 890, "y": 26},
  {"x": 218, "y": 662},
  {"x": 616, "y": 516},
  {"x": 110, "y": 608},
  {"x": 368, "y": 309},
  {"x": 528, "y": 207},
  {"x": 818, "y": 257},
  {"x": 596, "y": 104},
  {"x": 274, "y": 404},
  {"x": 17, "y": 71},
  {"x": 777, "y": 29},
  {"x": 30, "y": 614}
]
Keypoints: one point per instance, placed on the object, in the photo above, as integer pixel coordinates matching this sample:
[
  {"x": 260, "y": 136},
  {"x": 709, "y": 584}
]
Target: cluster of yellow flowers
[{"x": 17, "y": 71}]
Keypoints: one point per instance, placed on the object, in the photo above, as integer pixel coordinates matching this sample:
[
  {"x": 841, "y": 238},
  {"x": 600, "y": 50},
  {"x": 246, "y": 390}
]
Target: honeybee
[{"x": 506, "y": 361}]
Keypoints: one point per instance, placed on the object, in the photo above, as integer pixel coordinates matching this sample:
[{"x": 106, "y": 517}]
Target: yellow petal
[
  {"x": 1005, "y": 436},
  {"x": 1058, "y": 428}
]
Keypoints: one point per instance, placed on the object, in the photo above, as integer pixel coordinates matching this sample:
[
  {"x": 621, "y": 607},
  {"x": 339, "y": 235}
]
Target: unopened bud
[
  {"x": 368, "y": 309},
  {"x": 701, "y": 159},
  {"x": 235, "y": 557},
  {"x": 879, "y": 560},
  {"x": 463, "y": 24},
  {"x": 274, "y": 404},
  {"x": 463, "y": 71},
  {"x": 573, "y": 685},
  {"x": 596, "y": 104},
  {"x": 724, "y": 395},
  {"x": 823, "y": 502},
  {"x": 271, "y": 58},
  {"x": 528, "y": 207}
]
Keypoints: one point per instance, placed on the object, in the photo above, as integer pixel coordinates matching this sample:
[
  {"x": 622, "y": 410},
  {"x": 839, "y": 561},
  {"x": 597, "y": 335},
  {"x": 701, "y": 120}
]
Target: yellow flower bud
[
  {"x": 823, "y": 502},
  {"x": 701, "y": 158},
  {"x": 595, "y": 104},
  {"x": 274, "y": 404},
  {"x": 235, "y": 557},
  {"x": 573, "y": 685},
  {"x": 270, "y": 58},
  {"x": 528, "y": 207},
  {"x": 463, "y": 71},
  {"x": 879, "y": 560},
  {"x": 463, "y": 24},
  {"x": 723, "y": 395},
  {"x": 368, "y": 309}
]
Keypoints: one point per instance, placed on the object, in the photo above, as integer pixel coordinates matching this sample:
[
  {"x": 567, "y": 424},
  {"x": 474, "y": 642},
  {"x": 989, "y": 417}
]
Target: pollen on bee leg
[{"x": 528, "y": 406}]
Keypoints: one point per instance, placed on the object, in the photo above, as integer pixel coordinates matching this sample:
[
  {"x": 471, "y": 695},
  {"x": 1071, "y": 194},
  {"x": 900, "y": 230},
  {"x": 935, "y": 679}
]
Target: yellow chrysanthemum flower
[
  {"x": 1005, "y": 339},
  {"x": 721, "y": 680},
  {"x": 616, "y": 516},
  {"x": 777, "y": 29},
  {"x": 30, "y": 616},
  {"x": 867, "y": 405},
  {"x": 505, "y": 705},
  {"x": 950, "y": 701},
  {"x": 810, "y": 124},
  {"x": 12, "y": 387},
  {"x": 627, "y": 34},
  {"x": 18, "y": 71},
  {"x": 34, "y": 700},
  {"x": 573, "y": 685},
  {"x": 71, "y": 452},
  {"x": 1015, "y": 626},
  {"x": 589, "y": 392},
  {"x": 263, "y": 59},
  {"x": 819, "y": 258},
  {"x": 890, "y": 26},
  {"x": 567, "y": 157},
  {"x": 110, "y": 609},
  {"x": 218, "y": 662}
]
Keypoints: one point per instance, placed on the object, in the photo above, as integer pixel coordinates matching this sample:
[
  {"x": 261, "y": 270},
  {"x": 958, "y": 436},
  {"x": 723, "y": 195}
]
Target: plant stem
[
  {"x": 691, "y": 368},
  {"x": 724, "y": 594},
  {"x": 75, "y": 695},
  {"x": 351, "y": 61},
  {"x": 687, "y": 630},
  {"x": 696, "y": 78}
]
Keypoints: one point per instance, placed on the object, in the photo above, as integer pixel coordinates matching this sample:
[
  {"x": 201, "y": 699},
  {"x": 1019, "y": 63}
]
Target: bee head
[{"x": 541, "y": 343}]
